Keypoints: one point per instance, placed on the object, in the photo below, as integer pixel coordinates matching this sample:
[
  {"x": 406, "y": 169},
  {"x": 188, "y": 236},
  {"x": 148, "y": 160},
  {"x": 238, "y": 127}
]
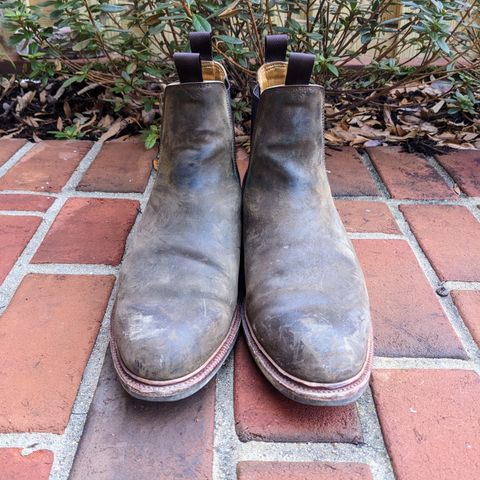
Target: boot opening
[
  {"x": 271, "y": 74},
  {"x": 297, "y": 71},
  {"x": 212, "y": 70},
  {"x": 190, "y": 68}
]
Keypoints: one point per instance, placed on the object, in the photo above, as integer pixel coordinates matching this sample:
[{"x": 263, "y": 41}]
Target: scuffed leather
[
  {"x": 306, "y": 299},
  {"x": 179, "y": 282}
]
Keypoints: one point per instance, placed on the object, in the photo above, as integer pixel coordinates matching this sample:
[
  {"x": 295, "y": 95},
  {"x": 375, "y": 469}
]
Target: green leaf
[
  {"x": 150, "y": 141},
  {"x": 442, "y": 45},
  {"x": 366, "y": 38},
  {"x": 81, "y": 45},
  {"x": 72, "y": 80},
  {"x": 16, "y": 38},
  {"x": 333, "y": 69},
  {"x": 438, "y": 5},
  {"x": 106, "y": 7},
  {"x": 294, "y": 24},
  {"x": 201, "y": 24},
  {"x": 315, "y": 36},
  {"x": 155, "y": 72},
  {"x": 230, "y": 40},
  {"x": 151, "y": 137},
  {"x": 33, "y": 48},
  {"x": 131, "y": 67},
  {"x": 156, "y": 29}
]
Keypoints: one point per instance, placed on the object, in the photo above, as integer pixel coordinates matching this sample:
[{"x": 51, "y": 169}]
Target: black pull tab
[
  {"x": 189, "y": 67},
  {"x": 276, "y": 48},
  {"x": 201, "y": 42},
  {"x": 300, "y": 68}
]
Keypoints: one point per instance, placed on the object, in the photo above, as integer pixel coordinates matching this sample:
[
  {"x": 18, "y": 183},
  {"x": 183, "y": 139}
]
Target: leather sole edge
[
  {"x": 143, "y": 390},
  {"x": 349, "y": 391}
]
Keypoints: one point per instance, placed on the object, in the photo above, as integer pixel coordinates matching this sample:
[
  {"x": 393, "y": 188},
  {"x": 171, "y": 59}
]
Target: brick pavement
[{"x": 66, "y": 212}]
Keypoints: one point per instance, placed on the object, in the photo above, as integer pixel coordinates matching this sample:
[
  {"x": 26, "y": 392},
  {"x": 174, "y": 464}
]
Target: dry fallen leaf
[
  {"x": 116, "y": 128},
  {"x": 89, "y": 87},
  {"x": 469, "y": 136},
  {"x": 428, "y": 127},
  {"x": 24, "y": 101},
  {"x": 230, "y": 11},
  {"x": 105, "y": 122},
  {"x": 31, "y": 122},
  {"x": 372, "y": 143},
  {"x": 437, "y": 107},
  {"x": 6, "y": 84},
  {"x": 67, "y": 110}
]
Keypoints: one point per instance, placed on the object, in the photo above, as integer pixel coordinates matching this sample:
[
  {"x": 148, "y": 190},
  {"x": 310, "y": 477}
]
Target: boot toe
[
  {"x": 159, "y": 347},
  {"x": 316, "y": 351}
]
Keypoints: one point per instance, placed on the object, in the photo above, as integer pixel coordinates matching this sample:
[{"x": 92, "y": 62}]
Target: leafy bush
[{"x": 126, "y": 47}]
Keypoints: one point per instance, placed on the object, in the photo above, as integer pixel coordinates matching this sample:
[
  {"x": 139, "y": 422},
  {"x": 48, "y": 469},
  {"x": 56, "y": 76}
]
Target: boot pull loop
[
  {"x": 300, "y": 68},
  {"x": 189, "y": 67},
  {"x": 201, "y": 42},
  {"x": 275, "y": 48}
]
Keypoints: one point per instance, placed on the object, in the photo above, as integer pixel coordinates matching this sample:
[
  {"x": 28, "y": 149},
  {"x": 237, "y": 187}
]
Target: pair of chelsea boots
[{"x": 305, "y": 310}]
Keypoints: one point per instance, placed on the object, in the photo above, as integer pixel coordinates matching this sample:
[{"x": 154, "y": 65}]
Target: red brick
[
  {"x": 46, "y": 167},
  {"x": 464, "y": 167},
  {"x": 430, "y": 420},
  {"x": 407, "y": 175},
  {"x": 126, "y": 439},
  {"x": 46, "y": 336},
  {"x": 407, "y": 318},
  {"x": 302, "y": 471},
  {"x": 9, "y": 146},
  {"x": 347, "y": 174},
  {"x": 468, "y": 304},
  {"x": 450, "y": 237},
  {"x": 89, "y": 230},
  {"x": 20, "y": 201},
  {"x": 366, "y": 217},
  {"x": 119, "y": 167},
  {"x": 262, "y": 413},
  {"x": 15, "y": 466},
  {"x": 15, "y": 233}
]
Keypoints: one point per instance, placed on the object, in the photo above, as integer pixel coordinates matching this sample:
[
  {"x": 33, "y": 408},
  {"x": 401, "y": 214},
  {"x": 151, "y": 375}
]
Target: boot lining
[
  {"x": 212, "y": 70},
  {"x": 271, "y": 74}
]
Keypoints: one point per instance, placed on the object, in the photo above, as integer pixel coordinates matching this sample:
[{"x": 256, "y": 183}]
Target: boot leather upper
[
  {"x": 306, "y": 300},
  {"x": 179, "y": 281}
]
